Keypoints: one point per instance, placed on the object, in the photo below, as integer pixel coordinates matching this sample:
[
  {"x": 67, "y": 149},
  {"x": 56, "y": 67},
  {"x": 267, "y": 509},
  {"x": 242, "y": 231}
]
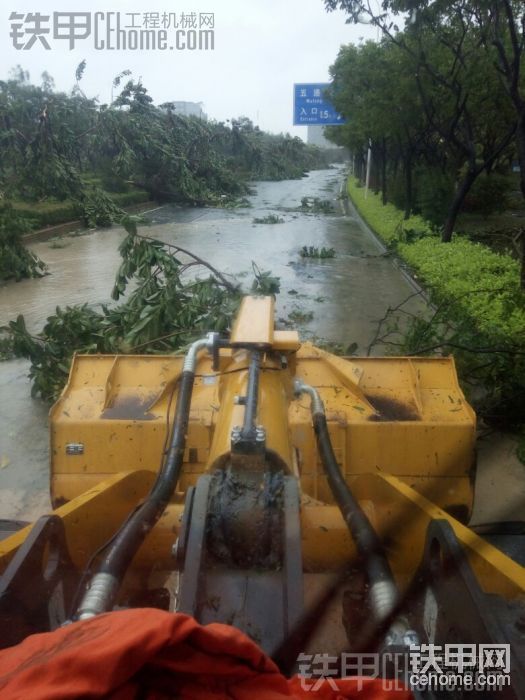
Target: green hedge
[
  {"x": 127, "y": 199},
  {"x": 453, "y": 270},
  {"x": 480, "y": 307},
  {"x": 456, "y": 270},
  {"x": 41, "y": 214},
  {"x": 385, "y": 220}
]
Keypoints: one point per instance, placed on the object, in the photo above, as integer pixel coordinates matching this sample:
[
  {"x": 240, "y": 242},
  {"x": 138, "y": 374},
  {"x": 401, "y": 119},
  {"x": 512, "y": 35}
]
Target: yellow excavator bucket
[
  {"x": 255, "y": 471},
  {"x": 405, "y": 417}
]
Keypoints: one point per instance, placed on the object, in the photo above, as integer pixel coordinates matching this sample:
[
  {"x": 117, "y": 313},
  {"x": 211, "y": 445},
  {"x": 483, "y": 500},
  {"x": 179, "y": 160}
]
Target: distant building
[
  {"x": 190, "y": 109},
  {"x": 315, "y": 136}
]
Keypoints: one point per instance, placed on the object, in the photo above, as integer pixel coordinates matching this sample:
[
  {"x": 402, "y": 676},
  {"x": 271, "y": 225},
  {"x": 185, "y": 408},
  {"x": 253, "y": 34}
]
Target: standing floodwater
[{"x": 346, "y": 295}]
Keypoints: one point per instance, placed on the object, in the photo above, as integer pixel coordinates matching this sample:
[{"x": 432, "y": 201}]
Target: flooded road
[{"x": 347, "y": 295}]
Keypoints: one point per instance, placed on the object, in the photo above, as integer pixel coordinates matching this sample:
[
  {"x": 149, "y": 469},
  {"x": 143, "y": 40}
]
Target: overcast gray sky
[{"x": 262, "y": 47}]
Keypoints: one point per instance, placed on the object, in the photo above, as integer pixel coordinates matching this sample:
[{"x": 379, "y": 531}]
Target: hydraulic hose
[
  {"x": 102, "y": 592},
  {"x": 383, "y": 591},
  {"x": 252, "y": 397}
]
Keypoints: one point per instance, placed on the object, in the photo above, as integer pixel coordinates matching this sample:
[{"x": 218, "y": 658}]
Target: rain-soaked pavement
[
  {"x": 355, "y": 287},
  {"x": 347, "y": 296}
]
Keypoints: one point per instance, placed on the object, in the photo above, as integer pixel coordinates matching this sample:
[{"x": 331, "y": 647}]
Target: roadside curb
[
  {"x": 350, "y": 209},
  {"x": 44, "y": 234}
]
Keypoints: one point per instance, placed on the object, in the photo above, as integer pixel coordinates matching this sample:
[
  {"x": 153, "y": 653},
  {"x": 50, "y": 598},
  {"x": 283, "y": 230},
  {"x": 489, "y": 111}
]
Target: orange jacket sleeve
[{"x": 153, "y": 654}]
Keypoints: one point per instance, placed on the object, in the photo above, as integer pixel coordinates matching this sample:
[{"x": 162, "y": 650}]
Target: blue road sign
[{"x": 310, "y": 106}]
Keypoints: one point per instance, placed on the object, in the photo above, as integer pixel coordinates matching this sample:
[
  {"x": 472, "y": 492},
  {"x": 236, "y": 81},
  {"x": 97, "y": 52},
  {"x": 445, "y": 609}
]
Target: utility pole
[{"x": 368, "y": 167}]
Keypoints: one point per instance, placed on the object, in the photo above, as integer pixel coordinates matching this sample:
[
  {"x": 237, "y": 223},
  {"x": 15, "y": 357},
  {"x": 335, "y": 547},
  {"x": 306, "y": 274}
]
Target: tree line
[
  {"x": 440, "y": 98},
  {"x": 67, "y": 147}
]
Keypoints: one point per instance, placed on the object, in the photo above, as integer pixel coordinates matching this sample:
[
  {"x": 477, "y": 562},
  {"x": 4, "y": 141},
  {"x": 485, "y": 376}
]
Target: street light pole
[{"x": 368, "y": 167}]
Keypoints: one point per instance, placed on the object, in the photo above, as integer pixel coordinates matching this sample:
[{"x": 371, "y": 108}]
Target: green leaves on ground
[
  {"x": 270, "y": 219},
  {"x": 265, "y": 283},
  {"x": 315, "y": 205},
  {"x": 165, "y": 303},
  {"x": 310, "y": 251},
  {"x": 298, "y": 317}
]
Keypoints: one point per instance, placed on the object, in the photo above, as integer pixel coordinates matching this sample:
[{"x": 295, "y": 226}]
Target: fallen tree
[{"x": 167, "y": 304}]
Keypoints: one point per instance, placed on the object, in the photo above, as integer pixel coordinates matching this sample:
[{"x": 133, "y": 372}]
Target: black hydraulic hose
[
  {"x": 366, "y": 538},
  {"x": 252, "y": 396},
  {"x": 102, "y": 593},
  {"x": 382, "y": 586},
  {"x": 119, "y": 556}
]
